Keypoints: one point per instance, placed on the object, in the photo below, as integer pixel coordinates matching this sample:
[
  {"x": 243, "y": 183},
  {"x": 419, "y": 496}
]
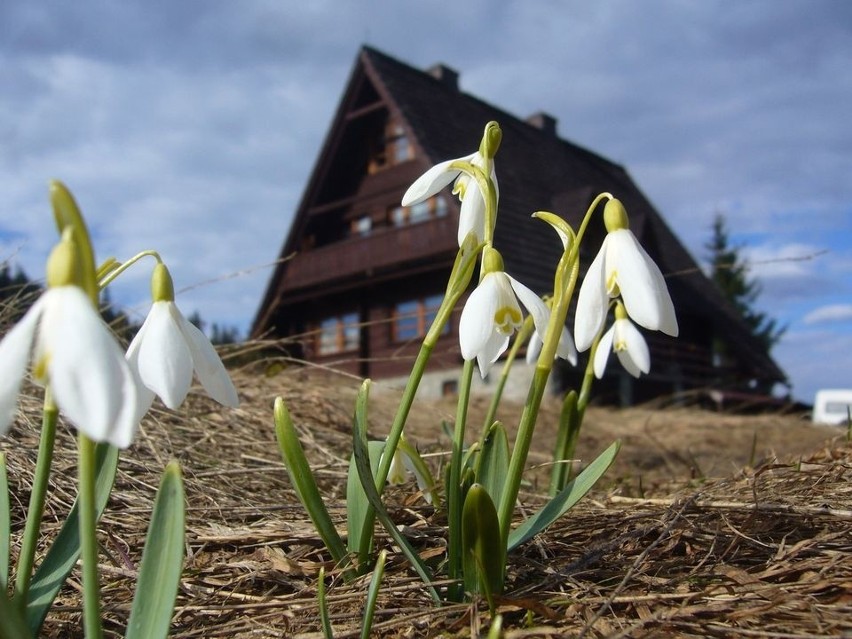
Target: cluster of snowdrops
[{"x": 104, "y": 392}]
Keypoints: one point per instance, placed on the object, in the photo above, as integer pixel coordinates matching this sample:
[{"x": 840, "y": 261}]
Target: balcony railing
[{"x": 381, "y": 249}]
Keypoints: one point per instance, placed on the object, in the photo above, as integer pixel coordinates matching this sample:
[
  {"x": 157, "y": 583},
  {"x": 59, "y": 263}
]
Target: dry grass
[{"x": 683, "y": 537}]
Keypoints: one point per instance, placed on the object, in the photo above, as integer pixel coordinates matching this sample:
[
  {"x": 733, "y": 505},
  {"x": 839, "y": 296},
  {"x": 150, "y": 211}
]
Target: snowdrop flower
[
  {"x": 628, "y": 344},
  {"x": 492, "y": 314},
  {"x": 74, "y": 353},
  {"x": 168, "y": 348},
  {"x": 622, "y": 267},
  {"x": 472, "y": 212}
]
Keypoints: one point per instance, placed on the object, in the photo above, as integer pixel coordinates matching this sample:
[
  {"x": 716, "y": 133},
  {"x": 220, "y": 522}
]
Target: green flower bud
[
  {"x": 491, "y": 138},
  {"x": 162, "y": 288},
  {"x": 615, "y": 217},
  {"x": 63, "y": 264},
  {"x": 492, "y": 260}
]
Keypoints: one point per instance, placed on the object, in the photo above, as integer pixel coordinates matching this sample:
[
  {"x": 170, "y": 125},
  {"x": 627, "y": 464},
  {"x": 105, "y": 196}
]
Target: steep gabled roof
[{"x": 536, "y": 170}]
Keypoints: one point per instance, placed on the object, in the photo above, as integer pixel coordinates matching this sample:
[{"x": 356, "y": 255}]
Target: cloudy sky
[{"x": 191, "y": 126}]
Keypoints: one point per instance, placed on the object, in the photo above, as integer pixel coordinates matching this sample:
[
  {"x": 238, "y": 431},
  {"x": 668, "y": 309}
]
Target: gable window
[
  {"x": 413, "y": 317},
  {"x": 433, "y": 208},
  {"x": 393, "y": 148},
  {"x": 338, "y": 334}
]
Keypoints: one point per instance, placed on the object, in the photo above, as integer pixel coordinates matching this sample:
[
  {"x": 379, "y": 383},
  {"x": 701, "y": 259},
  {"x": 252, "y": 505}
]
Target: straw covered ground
[{"x": 707, "y": 525}]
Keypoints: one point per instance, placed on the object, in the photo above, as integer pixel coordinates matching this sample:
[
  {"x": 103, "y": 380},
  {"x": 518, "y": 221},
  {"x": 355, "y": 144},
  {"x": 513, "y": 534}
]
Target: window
[
  {"x": 338, "y": 334},
  {"x": 434, "y": 207},
  {"x": 412, "y": 318},
  {"x": 393, "y": 148},
  {"x": 361, "y": 225}
]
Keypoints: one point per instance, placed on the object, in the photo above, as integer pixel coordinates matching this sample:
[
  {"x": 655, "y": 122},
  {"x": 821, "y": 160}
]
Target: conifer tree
[{"x": 730, "y": 272}]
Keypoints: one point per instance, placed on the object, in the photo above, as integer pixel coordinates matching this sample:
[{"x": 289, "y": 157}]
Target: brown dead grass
[{"x": 707, "y": 525}]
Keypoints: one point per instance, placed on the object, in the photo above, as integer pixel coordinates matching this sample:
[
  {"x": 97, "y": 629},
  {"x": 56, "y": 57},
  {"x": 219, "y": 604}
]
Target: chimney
[
  {"x": 445, "y": 75},
  {"x": 543, "y": 121}
]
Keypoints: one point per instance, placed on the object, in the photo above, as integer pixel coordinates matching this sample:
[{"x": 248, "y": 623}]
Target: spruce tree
[{"x": 730, "y": 272}]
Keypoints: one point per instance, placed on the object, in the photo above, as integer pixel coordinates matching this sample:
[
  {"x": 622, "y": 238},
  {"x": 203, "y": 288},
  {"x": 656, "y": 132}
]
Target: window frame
[
  {"x": 338, "y": 330},
  {"x": 425, "y": 308}
]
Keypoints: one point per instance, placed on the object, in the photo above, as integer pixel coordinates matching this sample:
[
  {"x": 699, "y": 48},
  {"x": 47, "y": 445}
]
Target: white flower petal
[
  {"x": 144, "y": 395},
  {"x": 432, "y": 181},
  {"x": 602, "y": 353},
  {"x": 566, "y": 349},
  {"x": 628, "y": 363},
  {"x": 637, "y": 348},
  {"x": 472, "y": 213},
  {"x": 208, "y": 366},
  {"x": 533, "y": 303},
  {"x": 541, "y": 318},
  {"x": 592, "y": 301},
  {"x": 491, "y": 352},
  {"x": 477, "y": 319},
  {"x": 534, "y": 348},
  {"x": 89, "y": 377},
  {"x": 643, "y": 288},
  {"x": 165, "y": 361},
  {"x": 14, "y": 355}
]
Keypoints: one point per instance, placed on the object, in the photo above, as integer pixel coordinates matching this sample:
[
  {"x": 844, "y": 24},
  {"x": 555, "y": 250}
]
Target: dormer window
[{"x": 393, "y": 148}]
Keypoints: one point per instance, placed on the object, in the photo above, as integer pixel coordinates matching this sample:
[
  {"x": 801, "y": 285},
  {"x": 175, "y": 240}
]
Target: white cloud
[{"x": 829, "y": 313}]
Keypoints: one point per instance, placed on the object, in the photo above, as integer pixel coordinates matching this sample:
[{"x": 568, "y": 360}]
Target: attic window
[
  {"x": 433, "y": 208},
  {"x": 393, "y": 148}
]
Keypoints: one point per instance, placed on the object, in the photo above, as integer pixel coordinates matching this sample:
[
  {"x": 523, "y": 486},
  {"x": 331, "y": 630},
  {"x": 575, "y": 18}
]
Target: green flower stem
[
  {"x": 454, "y": 496},
  {"x": 35, "y": 510},
  {"x": 521, "y": 449},
  {"x": 570, "y": 431},
  {"x": 520, "y": 339},
  {"x": 88, "y": 538},
  {"x": 458, "y": 281},
  {"x": 402, "y": 412},
  {"x": 588, "y": 378},
  {"x": 115, "y": 269},
  {"x": 562, "y": 298}
]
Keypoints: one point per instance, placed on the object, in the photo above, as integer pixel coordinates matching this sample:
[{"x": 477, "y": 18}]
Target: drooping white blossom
[
  {"x": 622, "y": 268},
  {"x": 629, "y": 345},
  {"x": 168, "y": 349},
  {"x": 492, "y": 314},
  {"x": 472, "y": 210},
  {"x": 74, "y": 352}
]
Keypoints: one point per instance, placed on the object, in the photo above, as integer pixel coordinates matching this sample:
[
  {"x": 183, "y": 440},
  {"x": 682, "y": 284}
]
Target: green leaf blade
[
  {"x": 362, "y": 461},
  {"x": 358, "y": 508},
  {"x": 162, "y": 561},
  {"x": 65, "y": 550},
  {"x": 306, "y": 487},
  {"x": 494, "y": 461},
  {"x": 565, "y": 499}
]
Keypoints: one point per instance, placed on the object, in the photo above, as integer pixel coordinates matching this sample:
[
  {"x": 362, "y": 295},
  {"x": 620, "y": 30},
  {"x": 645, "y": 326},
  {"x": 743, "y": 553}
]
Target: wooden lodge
[{"x": 367, "y": 274}]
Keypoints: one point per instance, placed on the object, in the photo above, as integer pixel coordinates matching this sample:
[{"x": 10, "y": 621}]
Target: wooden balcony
[{"x": 382, "y": 250}]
